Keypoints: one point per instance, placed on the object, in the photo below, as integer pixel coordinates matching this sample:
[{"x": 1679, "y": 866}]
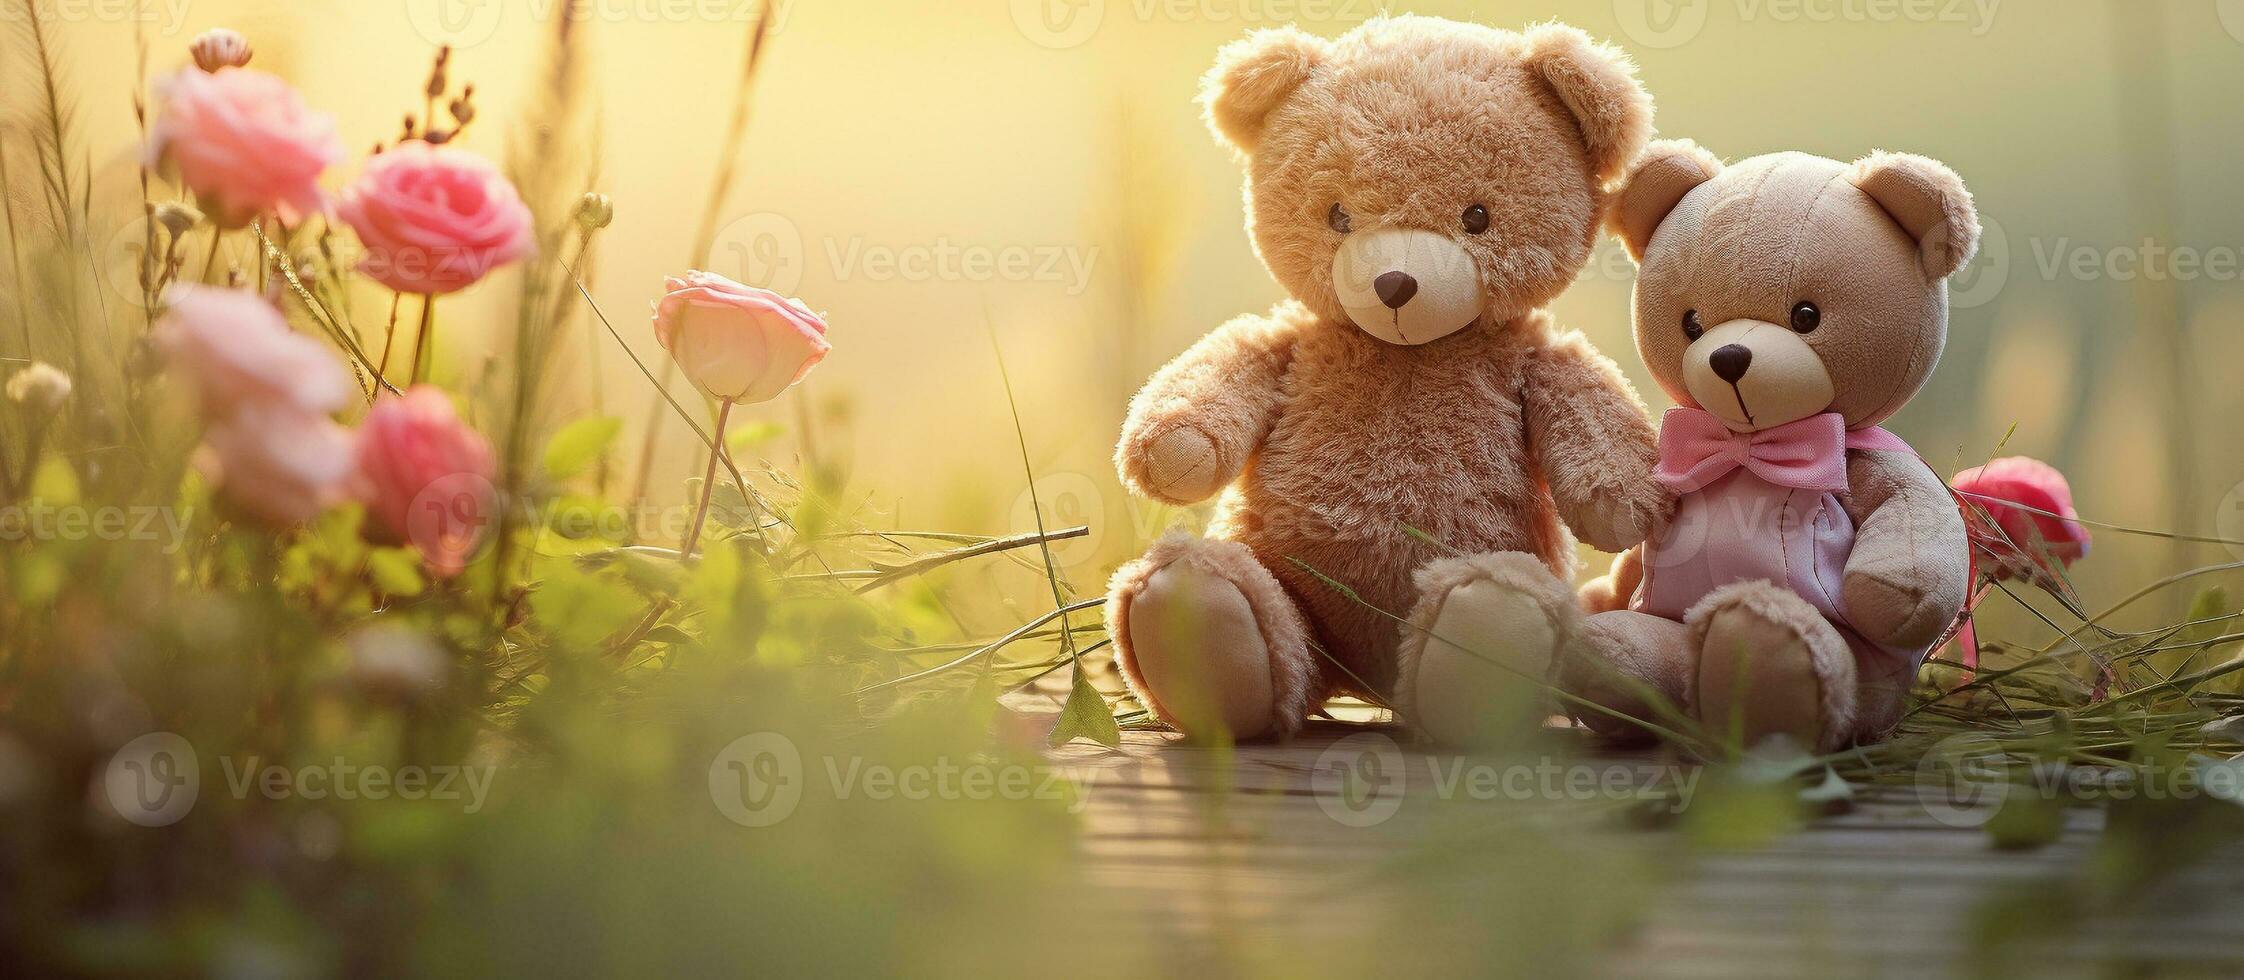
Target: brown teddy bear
[
  {"x": 1788, "y": 304},
  {"x": 1410, "y": 417}
]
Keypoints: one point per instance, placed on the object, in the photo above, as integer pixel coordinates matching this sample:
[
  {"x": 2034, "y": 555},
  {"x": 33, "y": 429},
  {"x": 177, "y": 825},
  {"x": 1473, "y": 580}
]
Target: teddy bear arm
[
  {"x": 1910, "y": 569},
  {"x": 1594, "y": 445},
  {"x": 1617, "y": 587},
  {"x": 1194, "y": 425}
]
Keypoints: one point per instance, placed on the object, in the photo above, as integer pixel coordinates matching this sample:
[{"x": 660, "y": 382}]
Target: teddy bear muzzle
[
  {"x": 1756, "y": 375},
  {"x": 1406, "y": 285}
]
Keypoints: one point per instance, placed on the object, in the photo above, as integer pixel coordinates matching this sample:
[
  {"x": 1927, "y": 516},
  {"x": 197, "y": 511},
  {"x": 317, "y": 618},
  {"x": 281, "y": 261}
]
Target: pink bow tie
[{"x": 1696, "y": 449}]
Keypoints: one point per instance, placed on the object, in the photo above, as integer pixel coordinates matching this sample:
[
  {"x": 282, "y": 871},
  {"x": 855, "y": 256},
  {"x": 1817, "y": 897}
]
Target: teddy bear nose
[
  {"x": 1730, "y": 361},
  {"x": 1395, "y": 288}
]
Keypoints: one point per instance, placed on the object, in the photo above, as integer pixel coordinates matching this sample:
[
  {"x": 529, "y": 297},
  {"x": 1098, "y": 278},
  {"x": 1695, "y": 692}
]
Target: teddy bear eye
[
  {"x": 1805, "y": 317},
  {"x": 1337, "y": 218},
  {"x": 1475, "y": 219},
  {"x": 1691, "y": 327}
]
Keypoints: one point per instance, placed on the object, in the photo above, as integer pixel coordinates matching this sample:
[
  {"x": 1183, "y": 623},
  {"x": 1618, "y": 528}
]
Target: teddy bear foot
[
  {"x": 1769, "y": 664},
  {"x": 1210, "y": 642},
  {"x": 1478, "y": 651}
]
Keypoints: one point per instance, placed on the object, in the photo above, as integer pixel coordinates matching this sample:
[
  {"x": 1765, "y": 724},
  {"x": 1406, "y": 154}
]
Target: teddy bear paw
[
  {"x": 1480, "y": 649},
  {"x": 1769, "y": 664},
  {"x": 1180, "y": 466},
  {"x": 1894, "y": 614},
  {"x": 1616, "y": 522}
]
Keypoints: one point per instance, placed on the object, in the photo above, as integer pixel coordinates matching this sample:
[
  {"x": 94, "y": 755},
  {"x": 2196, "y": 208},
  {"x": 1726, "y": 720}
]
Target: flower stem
[
  {"x": 210, "y": 260},
  {"x": 389, "y": 338},
  {"x": 421, "y": 345},
  {"x": 708, "y": 480}
]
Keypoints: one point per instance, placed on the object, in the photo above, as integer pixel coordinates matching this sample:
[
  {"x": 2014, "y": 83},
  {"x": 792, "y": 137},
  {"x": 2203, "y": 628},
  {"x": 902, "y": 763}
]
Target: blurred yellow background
[{"x": 922, "y": 172}]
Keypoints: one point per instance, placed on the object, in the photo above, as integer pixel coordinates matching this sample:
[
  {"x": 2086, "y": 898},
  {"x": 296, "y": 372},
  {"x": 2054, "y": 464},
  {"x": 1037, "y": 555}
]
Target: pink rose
[
  {"x": 2012, "y": 542},
  {"x": 278, "y": 463},
  {"x": 426, "y": 478},
  {"x": 738, "y": 343},
  {"x": 236, "y": 348},
  {"x": 245, "y": 144},
  {"x": 434, "y": 219},
  {"x": 2015, "y": 541}
]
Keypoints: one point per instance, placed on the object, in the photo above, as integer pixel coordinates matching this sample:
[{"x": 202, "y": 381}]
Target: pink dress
[{"x": 1740, "y": 527}]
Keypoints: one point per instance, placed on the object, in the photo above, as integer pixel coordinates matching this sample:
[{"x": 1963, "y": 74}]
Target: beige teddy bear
[
  {"x": 1788, "y": 304},
  {"x": 1411, "y": 418}
]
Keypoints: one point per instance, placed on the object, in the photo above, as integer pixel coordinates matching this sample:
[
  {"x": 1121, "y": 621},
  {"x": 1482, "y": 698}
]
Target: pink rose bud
[
  {"x": 2016, "y": 542},
  {"x": 738, "y": 343},
  {"x": 244, "y": 142},
  {"x": 434, "y": 219},
  {"x": 277, "y": 462},
  {"x": 219, "y": 48},
  {"x": 235, "y": 348},
  {"x": 426, "y": 478}
]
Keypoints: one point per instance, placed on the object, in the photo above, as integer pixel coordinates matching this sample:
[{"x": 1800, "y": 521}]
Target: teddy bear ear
[
  {"x": 1252, "y": 77},
  {"x": 1929, "y": 201},
  {"x": 1597, "y": 82},
  {"x": 1656, "y": 183}
]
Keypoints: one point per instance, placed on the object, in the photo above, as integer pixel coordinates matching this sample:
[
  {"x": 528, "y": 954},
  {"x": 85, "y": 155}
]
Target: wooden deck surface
[{"x": 1880, "y": 889}]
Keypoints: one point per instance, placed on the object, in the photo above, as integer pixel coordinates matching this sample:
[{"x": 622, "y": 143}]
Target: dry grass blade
[
  {"x": 18, "y": 285},
  {"x": 55, "y": 118},
  {"x": 361, "y": 366},
  {"x": 1021, "y": 632},
  {"x": 549, "y": 161},
  {"x": 2120, "y": 528},
  {"x": 736, "y": 138},
  {"x": 2094, "y": 622},
  {"x": 1028, "y": 472},
  {"x": 921, "y": 566}
]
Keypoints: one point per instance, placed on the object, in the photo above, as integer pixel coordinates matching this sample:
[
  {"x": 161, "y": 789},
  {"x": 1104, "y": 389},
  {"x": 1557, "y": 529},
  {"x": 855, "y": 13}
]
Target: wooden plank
[{"x": 1230, "y": 849}]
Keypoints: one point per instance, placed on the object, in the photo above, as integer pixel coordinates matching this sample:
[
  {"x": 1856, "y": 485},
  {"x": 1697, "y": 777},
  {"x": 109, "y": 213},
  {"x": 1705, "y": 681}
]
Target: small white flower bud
[
  {"x": 42, "y": 386},
  {"x": 220, "y": 48},
  {"x": 177, "y": 218},
  {"x": 594, "y": 211}
]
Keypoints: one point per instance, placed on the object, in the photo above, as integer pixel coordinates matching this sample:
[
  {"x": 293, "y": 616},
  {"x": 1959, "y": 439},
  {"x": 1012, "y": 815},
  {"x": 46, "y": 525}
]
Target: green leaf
[
  {"x": 750, "y": 434},
  {"x": 39, "y": 577},
  {"x": 2026, "y": 820},
  {"x": 668, "y": 633},
  {"x": 54, "y": 482},
  {"x": 579, "y": 609},
  {"x": 396, "y": 571},
  {"x": 580, "y": 444},
  {"x": 1736, "y": 815},
  {"x": 1086, "y": 716},
  {"x": 2197, "y": 647}
]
